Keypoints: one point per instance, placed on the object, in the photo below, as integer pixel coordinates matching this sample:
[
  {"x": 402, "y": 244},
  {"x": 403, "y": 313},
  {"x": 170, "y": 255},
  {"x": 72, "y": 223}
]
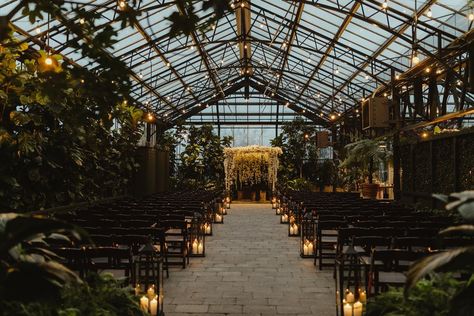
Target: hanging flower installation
[{"x": 251, "y": 165}]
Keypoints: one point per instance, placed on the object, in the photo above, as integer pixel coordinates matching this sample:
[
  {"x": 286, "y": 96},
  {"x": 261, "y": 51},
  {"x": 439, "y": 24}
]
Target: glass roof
[{"x": 267, "y": 61}]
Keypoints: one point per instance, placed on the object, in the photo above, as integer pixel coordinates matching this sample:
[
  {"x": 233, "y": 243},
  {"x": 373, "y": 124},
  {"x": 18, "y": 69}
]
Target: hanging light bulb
[
  {"x": 415, "y": 59},
  {"x": 385, "y": 5},
  {"x": 48, "y": 60},
  {"x": 38, "y": 30},
  {"x": 82, "y": 21},
  {"x": 429, "y": 13},
  {"x": 471, "y": 16},
  {"x": 366, "y": 77},
  {"x": 337, "y": 71},
  {"x": 333, "y": 116},
  {"x": 122, "y": 4},
  {"x": 149, "y": 117}
]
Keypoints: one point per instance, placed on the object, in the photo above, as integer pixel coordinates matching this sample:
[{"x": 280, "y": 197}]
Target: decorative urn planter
[{"x": 370, "y": 190}]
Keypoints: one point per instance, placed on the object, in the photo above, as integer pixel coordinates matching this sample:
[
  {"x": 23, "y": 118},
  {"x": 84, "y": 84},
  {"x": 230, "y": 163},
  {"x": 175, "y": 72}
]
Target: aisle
[{"x": 251, "y": 268}]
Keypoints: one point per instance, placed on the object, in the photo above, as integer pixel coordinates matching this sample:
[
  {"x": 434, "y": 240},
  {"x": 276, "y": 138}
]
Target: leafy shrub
[
  {"x": 101, "y": 295},
  {"x": 431, "y": 297}
]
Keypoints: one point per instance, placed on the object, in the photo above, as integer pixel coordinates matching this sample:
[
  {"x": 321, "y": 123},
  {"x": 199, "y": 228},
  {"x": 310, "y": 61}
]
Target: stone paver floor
[{"x": 251, "y": 267}]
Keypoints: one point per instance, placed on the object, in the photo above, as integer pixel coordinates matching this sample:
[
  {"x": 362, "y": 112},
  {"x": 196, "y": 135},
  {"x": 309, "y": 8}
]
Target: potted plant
[{"x": 366, "y": 155}]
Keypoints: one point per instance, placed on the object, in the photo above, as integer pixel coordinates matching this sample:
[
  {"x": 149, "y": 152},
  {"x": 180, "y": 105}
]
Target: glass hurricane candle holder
[
  {"x": 308, "y": 238},
  {"x": 293, "y": 227},
  {"x": 197, "y": 239},
  {"x": 284, "y": 216},
  {"x": 351, "y": 295},
  {"x": 149, "y": 267}
]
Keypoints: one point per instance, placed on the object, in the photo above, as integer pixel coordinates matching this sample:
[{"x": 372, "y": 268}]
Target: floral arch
[{"x": 251, "y": 165}]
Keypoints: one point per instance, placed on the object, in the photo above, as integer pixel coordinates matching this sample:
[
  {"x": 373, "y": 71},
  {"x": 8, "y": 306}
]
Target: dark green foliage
[
  {"x": 28, "y": 268},
  {"x": 66, "y": 135},
  {"x": 406, "y": 168},
  {"x": 422, "y": 167},
  {"x": 466, "y": 161},
  {"x": 454, "y": 259},
  {"x": 443, "y": 164},
  {"x": 363, "y": 158},
  {"x": 101, "y": 295},
  {"x": 430, "y": 297},
  {"x": 299, "y": 158},
  {"x": 202, "y": 161}
]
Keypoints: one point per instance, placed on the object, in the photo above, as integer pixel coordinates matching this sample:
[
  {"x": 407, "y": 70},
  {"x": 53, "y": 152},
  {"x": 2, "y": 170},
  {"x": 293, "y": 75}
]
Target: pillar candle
[
  {"x": 347, "y": 309},
  {"x": 310, "y": 248},
  {"x": 291, "y": 230},
  {"x": 200, "y": 248},
  {"x": 137, "y": 289},
  {"x": 195, "y": 246},
  {"x": 151, "y": 292},
  {"x": 154, "y": 307},
  {"x": 363, "y": 297},
  {"x": 208, "y": 228},
  {"x": 350, "y": 297},
  {"x": 357, "y": 308},
  {"x": 305, "y": 249},
  {"x": 295, "y": 230},
  {"x": 144, "y": 303}
]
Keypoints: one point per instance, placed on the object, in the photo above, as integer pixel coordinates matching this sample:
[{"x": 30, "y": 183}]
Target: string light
[
  {"x": 48, "y": 60},
  {"x": 122, "y": 4},
  {"x": 333, "y": 116},
  {"x": 397, "y": 77},
  {"x": 385, "y": 5},
  {"x": 429, "y": 13},
  {"x": 38, "y": 30},
  {"x": 366, "y": 77},
  {"x": 415, "y": 59},
  {"x": 150, "y": 117},
  {"x": 337, "y": 71},
  {"x": 428, "y": 69},
  {"x": 471, "y": 16},
  {"x": 424, "y": 134},
  {"x": 82, "y": 21}
]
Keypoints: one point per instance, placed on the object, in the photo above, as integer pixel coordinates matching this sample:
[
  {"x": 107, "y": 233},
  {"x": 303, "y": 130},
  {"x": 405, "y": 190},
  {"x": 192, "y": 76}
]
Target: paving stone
[{"x": 251, "y": 267}]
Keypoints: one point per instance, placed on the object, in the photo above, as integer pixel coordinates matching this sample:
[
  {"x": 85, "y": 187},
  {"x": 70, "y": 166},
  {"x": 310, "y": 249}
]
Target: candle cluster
[
  {"x": 149, "y": 302},
  {"x": 293, "y": 229},
  {"x": 308, "y": 248},
  {"x": 198, "y": 247},
  {"x": 218, "y": 218},
  {"x": 284, "y": 218},
  {"x": 351, "y": 307},
  {"x": 223, "y": 211},
  {"x": 207, "y": 228}
]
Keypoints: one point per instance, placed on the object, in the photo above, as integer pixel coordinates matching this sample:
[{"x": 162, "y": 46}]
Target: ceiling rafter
[
  {"x": 384, "y": 46},
  {"x": 293, "y": 32},
  {"x": 330, "y": 47},
  {"x": 202, "y": 53},
  {"x": 167, "y": 63}
]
